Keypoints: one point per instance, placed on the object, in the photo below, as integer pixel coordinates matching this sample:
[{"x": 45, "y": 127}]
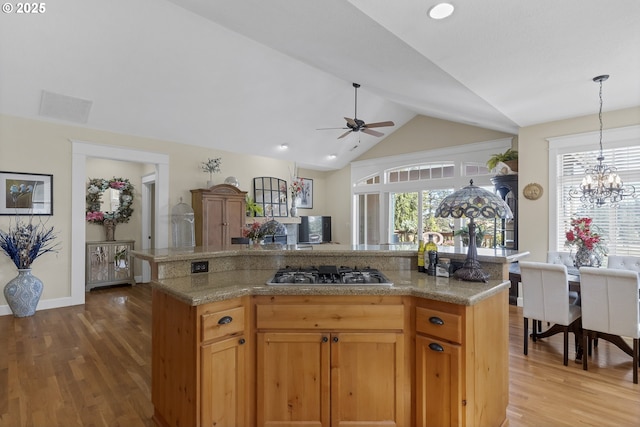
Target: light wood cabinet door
[
  {"x": 293, "y": 379},
  {"x": 438, "y": 383},
  {"x": 223, "y": 383},
  {"x": 367, "y": 387}
]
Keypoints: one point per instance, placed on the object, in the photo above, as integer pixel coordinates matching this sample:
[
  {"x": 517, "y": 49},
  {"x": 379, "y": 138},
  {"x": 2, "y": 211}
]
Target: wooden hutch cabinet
[{"x": 219, "y": 214}]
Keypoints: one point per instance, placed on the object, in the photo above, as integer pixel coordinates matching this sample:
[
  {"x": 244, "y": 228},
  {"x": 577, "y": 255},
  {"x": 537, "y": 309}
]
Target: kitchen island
[{"x": 230, "y": 350}]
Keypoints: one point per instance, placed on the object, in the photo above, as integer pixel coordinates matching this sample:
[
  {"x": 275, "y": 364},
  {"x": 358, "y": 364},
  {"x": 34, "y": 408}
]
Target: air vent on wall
[{"x": 64, "y": 107}]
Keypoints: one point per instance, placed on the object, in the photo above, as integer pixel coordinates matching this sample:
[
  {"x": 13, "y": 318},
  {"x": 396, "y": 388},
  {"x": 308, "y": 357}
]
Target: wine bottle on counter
[
  {"x": 431, "y": 253},
  {"x": 420, "y": 256}
]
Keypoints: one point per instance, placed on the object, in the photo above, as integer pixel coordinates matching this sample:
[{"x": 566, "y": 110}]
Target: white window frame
[
  {"x": 459, "y": 154},
  {"x": 588, "y": 141}
]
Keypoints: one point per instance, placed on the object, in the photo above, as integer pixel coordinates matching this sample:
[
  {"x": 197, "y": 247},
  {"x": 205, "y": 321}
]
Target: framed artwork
[
  {"x": 26, "y": 193},
  {"x": 305, "y": 199}
]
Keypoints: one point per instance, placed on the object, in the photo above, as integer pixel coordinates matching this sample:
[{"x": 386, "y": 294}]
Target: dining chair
[
  {"x": 545, "y": 289},
  {"x": 565, "y": 258},
  {"x": 611, "y": 308},
  {"x": 620, "y": 262}
]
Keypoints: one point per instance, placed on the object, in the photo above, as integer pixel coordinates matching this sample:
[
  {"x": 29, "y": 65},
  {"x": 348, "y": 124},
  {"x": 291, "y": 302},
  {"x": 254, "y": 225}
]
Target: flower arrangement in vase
[
  {"x": 296, "y": 187},
  {"x": 253, "y": 231},
  {"x": 590, "y": 246},
  {"x": 211, "y": 166},
  {"x": 23, "y": 243}
]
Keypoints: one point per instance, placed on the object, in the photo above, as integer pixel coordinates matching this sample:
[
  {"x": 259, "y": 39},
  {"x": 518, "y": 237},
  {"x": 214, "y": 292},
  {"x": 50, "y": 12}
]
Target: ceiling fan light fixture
[{"x": 441, "y": 11}]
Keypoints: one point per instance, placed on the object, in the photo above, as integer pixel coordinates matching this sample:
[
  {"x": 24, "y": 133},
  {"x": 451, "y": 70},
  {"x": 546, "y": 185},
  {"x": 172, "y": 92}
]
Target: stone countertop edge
[
  {"x": 199, "y": 252},
  {"x": 199, "y": 289}
]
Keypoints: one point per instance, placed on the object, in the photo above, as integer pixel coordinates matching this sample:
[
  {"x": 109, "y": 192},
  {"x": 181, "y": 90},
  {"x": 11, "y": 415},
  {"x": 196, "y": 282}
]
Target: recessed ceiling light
[
  {"x": 332, "y": 156},
  {"x": 284, "y": 146},
  {"x": 441, "y": 11}
]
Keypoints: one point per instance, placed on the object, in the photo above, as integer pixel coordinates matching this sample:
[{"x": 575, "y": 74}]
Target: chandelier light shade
[
  {"x": 601, "y": 183},
  {"x": 473, "y": 202}
]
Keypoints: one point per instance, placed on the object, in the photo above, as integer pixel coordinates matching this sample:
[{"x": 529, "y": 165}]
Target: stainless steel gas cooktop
[{"x": 329, "y": 275}]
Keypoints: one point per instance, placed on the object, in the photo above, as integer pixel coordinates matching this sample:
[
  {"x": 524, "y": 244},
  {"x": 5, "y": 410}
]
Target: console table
[{"x": 108, "y": 263}]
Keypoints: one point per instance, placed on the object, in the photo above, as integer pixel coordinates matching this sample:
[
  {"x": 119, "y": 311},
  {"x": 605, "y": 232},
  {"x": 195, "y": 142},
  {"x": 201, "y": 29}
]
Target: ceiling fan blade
[
  {"x": 330, "y": 128},
  {"x": 351, "y": 121},
  {"x": 372, "y": 132},
  {"x": 344, "y": 134},
  {"x": 379, "y": 124}
]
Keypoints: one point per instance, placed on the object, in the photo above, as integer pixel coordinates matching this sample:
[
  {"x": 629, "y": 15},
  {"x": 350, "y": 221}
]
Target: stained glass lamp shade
[{"x": 473, "y": 202}]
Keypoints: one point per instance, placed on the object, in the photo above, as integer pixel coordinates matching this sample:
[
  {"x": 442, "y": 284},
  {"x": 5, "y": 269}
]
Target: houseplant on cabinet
[
  {"x": 509, "y": 157},
  {"x": 23, "y": 243}
]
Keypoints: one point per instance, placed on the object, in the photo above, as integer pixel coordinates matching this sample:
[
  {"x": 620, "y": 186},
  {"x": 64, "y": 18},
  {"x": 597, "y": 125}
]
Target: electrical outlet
[{"x": 199, "y": 266}]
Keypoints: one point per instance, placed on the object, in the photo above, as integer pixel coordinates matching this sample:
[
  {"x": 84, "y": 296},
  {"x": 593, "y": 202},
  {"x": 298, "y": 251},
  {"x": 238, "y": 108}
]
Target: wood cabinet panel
[
  {"x": 293, "y": 379},
  {"x": 224, "y": 385},
  {"x": 447, "y": 326},
  {"x": 366, "y": 385},
  {"x": 222, "y": 323},
  {"x": 438, "y": 383},
  {"x": 330, "y": 316}
]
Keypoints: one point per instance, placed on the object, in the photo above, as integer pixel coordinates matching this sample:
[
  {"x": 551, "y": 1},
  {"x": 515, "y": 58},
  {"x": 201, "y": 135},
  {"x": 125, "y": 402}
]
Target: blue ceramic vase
[{"x": 23, "y": 293}]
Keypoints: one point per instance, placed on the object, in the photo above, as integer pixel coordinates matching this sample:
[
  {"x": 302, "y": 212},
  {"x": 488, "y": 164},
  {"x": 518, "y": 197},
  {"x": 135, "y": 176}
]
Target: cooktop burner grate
[{"x": 329, "y": 275}]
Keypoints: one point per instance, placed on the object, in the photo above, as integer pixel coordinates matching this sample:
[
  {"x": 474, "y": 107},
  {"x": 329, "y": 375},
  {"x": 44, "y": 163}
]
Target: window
[
  {"x": 571, "y": 156},
  {"x": 412, "y": 187}
]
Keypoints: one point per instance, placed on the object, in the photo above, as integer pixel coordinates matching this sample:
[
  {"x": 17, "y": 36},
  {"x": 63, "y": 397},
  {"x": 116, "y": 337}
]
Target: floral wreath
[{"x": 96, "y": 187}]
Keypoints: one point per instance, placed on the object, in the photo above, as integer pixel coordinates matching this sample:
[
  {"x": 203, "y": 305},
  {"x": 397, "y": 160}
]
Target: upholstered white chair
[
  {"x": 620, "y": 262},
  {"x": 545, "y": 289},
  {"x": 564, "y": 258},
  {"x": 610, "y": 308}
]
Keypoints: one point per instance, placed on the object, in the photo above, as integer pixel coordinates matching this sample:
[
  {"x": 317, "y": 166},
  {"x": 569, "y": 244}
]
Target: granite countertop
[
  {"x": 203, "y": 288},
  {"x": 409, "y": 250}
]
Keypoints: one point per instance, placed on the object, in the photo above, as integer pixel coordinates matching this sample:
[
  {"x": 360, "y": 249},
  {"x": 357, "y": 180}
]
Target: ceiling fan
[{"x": 357, "y": 125}]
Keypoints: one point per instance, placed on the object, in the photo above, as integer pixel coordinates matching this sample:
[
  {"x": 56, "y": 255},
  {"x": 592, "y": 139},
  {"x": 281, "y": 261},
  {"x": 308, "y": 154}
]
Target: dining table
[{"x": 573, "y": 276}]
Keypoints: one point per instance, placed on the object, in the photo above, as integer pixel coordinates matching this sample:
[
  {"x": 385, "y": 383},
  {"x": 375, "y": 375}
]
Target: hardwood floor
[{"x": 90, "y": 366}]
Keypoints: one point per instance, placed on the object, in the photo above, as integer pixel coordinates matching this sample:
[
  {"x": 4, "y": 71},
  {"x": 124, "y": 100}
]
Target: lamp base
[{"x": 471, "y": 271}]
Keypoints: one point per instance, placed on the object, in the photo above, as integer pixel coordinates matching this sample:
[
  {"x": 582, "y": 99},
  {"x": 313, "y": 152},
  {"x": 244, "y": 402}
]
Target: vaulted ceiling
[{"x": 249, "y": 75}]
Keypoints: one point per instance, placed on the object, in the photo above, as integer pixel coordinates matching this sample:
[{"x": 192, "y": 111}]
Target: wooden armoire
[{"x": 219, "y": 214}]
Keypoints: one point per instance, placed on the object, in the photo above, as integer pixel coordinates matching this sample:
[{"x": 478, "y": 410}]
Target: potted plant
[
  {"x": 509, "y": 157},
  {"x": 211, "y": 166},
  {"x": 253, "y": 208},
  {"x": 23, "y": 243}
]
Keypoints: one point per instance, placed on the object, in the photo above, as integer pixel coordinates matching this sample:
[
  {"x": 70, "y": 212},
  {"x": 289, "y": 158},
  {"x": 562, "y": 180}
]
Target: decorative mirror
[
  {"x": 271, "y": 194},
  {"x": 109, "y": 200}
]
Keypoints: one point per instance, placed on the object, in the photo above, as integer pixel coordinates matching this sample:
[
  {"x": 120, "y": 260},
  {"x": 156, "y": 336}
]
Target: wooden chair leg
[
  {"x": 565, "y": 356},
  {"x": 635, "y": 360},
  {"x": 585, "y": 338},
  {"x": 526, "y": 335},
  {"x": 534, "y": 330}
]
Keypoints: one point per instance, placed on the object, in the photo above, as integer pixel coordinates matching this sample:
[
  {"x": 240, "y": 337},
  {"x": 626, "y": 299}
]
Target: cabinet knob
[
  {"x": 436, "y": 347},
  {"x": 436, "y": 320},
  {"x": 225, "y": 320},
  {"x": 241, "y": 341},
  {"x": 335, "y": 339},
  {"x": 325, "y": 339}
]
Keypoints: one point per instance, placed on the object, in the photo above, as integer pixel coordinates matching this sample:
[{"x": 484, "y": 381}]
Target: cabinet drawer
[
  {"x": 330, "y": 316},
  {"x": 222, "y": 323},
  {"x": 439, "y": 324}
]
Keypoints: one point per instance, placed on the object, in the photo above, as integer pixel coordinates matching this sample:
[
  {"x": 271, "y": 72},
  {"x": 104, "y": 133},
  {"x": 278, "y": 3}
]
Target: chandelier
[{"x": 601, "y": 182}]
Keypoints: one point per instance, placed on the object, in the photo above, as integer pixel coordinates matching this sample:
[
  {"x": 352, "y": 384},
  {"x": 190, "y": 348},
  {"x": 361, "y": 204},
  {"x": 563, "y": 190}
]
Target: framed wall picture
[
  {"x": 305, "y": 199},
  {"x": 26, "y": 193}
]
